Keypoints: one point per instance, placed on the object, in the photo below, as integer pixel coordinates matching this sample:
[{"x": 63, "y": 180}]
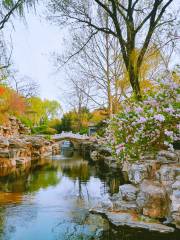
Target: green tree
[{"x": 40, "y": 111}]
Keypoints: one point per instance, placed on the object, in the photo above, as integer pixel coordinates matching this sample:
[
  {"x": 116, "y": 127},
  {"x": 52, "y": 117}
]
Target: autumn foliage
[{"x": 11, "y": 103}]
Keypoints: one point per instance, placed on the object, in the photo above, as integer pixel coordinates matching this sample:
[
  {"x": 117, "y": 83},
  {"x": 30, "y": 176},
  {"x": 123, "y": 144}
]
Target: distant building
[{"x": 92, "y": 129}]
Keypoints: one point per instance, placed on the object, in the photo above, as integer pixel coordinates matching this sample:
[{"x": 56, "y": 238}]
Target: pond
[{"x": 50, "y": 201}]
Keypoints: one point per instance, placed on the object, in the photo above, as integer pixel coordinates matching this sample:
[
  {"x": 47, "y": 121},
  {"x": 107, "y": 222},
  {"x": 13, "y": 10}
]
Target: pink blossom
[
  {"x": 169, "y": 109},
  {"x": 119, "y": 148},
  {"x": 159, "y": 117},
  {"x": 142, "y": 120},
  {"x": 138, "y": 109},
  {"x": 168, "y": 133}
]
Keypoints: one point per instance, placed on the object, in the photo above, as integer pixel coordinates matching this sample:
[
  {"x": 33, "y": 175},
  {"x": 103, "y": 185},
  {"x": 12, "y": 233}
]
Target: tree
[
  {"x": 75, "y": 122},
  {"x": 133, "y": 23},
  {"x": 9, "y": 7},
  {"x": 41, "y": 111},
  {"x": 98, "y": 74},
  {"x": 25, "y": 86},
  {"x": 100, "y": 70},
  {"x": 52, "y": 109}
]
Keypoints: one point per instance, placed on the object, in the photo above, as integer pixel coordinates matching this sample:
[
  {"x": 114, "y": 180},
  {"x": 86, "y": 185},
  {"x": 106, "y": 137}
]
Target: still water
[{"x": 50, "y": 201}]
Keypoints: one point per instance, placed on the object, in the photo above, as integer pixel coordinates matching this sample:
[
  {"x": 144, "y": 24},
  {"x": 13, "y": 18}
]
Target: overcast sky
[{"x": 33, "y": 45}]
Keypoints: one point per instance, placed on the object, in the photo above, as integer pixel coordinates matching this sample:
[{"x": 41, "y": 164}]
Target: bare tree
[
  {"x": 5, "y": 59},
  {"x": 100, "y": 64},
  {"x": 141, "y": 19},
  {"x": 25, "y": 86}
]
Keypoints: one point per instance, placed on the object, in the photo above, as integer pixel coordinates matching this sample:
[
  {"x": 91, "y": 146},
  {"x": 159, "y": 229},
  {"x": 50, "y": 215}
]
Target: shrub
[{"x": 146, "y": 126}]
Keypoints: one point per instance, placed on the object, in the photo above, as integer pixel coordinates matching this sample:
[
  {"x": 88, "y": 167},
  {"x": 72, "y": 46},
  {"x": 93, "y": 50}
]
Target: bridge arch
[{"x": 75, "y": 139}]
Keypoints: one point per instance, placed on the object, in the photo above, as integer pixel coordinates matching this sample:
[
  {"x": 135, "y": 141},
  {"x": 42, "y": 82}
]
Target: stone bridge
[{"x": 76, "y": 139}]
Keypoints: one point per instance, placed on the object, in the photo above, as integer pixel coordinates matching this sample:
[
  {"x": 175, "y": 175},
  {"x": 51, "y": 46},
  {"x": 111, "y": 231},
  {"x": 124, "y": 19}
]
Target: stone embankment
[
  {"x": 150, "y": 198},
  {"x": 18, "y": 147}
]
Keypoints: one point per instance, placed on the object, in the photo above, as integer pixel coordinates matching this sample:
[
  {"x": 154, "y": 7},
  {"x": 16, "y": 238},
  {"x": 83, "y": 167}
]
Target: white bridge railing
[{"x": 71, "y": 135}]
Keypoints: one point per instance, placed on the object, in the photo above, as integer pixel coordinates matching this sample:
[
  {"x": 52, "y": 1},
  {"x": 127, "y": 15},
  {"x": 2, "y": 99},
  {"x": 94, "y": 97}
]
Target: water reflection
[
  {"x": 31, "y": 179},
  {"x": 49, "y": 200}
]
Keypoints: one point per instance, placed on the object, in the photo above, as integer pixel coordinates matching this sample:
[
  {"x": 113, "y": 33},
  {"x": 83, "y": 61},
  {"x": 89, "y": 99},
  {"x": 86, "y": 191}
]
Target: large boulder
[
  {"x": 138, "y": 172},
  {"x": 168, "y": 173},
  {"x": 153, "y": 200},
  {"x": 128, "y": 192},
  {"x": 132, "y": 220}
]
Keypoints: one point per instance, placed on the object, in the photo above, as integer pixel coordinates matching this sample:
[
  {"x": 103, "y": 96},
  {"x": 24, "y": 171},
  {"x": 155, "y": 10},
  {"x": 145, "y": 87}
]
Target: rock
[
  {"x": 107, "y": 204},
  {"x": 175, "y": 201},
  {"x": 175, "y": 204},
  {"x": 178, "y": 177},
  {"x": 14, "y": 128},
  {"x": 176, "y": 219},
  {"x": 128, "y": 192},
  {"x": 138, "y": 172},
  {"x": 177, "y": 170},
  {"x": 7, "y": 163},
  {"x": 176, "y": 185},
  {"x": 55, "y": 148},
  {"x": 19, "y": 162},
  {"x": 166, "y": 175},
  {"x": 166, "y": 155},
  {"x": 4, "y": 142},
  {"x": 17, "y": 143},
  {"x": 4, "y": 154},
  {"x": 127, "y": 219},
  {"x": 153, "y": 200},
  {"x": 178, "y": 154},
  {"x": 124, "y": 206}
]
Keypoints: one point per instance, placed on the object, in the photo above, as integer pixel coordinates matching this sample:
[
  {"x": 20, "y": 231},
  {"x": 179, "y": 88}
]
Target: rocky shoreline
[
  {"x": 150, "y": 198},
  {"x": 19, "y": 148}
]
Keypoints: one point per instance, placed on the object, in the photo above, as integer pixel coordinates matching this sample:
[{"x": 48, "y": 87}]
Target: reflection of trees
[
  {"x": 77, "y": 171},
  {"x": 42, "y": 179},
  {"x": 111, "y": 177},
  {"x": 81, "y": 172},
  {"x": 38, "y": 176}
]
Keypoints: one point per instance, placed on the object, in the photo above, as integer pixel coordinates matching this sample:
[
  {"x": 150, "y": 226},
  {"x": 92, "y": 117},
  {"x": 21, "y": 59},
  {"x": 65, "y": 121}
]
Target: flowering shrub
[{"x": 146, "y": 126}]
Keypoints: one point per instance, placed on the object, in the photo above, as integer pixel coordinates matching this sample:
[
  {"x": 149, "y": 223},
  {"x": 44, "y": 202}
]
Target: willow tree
[{"x": 133, "y": 23}]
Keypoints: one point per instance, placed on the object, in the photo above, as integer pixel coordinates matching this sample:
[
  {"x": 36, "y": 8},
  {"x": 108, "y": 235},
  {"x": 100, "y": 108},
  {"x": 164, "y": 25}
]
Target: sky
[{"x": 34, "y": 42}]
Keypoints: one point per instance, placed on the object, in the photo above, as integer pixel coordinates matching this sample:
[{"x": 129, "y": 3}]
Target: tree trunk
[
  {"x": 134, "y": 80},
  {"x": 108, "y": 77}
]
